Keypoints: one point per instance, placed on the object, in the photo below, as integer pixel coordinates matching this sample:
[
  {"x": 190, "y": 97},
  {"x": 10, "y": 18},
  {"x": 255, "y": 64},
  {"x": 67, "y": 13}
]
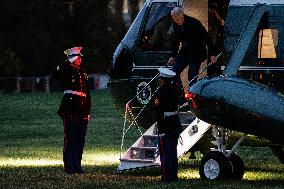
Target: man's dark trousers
[{"x": 180, "y": 65}]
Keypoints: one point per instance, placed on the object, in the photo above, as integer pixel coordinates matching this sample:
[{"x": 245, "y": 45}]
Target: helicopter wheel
[
  {"x": 215, "y": 165},
  {"x": 238, "y": 166}
]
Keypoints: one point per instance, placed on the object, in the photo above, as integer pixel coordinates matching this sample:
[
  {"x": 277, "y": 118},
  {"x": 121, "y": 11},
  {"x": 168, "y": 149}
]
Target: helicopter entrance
[{"x": 154, "y": 45}]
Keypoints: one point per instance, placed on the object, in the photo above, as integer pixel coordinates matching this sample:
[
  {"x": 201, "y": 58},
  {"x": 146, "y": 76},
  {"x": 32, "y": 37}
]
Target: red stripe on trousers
[{"x": 163, "y": 151}]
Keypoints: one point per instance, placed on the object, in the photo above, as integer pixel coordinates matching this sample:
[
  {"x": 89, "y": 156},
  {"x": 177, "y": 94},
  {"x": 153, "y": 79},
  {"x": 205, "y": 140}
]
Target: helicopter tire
[
  {"x": 215, "y": 166},
  {"x": 238, "y": 167}
]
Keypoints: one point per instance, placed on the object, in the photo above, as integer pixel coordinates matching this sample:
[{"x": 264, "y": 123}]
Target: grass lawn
[{"x": 31, "y": 140}]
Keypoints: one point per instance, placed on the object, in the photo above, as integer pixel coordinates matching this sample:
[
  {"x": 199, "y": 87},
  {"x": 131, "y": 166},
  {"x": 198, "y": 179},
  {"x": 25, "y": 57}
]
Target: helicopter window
[
  {"x": 262, "y": 62},
  {"x": 267, "y": 44},
  {"x": 158, "y": 32}
]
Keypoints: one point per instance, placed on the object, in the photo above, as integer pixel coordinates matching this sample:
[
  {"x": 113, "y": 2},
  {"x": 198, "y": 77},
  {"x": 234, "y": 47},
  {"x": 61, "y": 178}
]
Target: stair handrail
[{"x": 128, "y": 109}]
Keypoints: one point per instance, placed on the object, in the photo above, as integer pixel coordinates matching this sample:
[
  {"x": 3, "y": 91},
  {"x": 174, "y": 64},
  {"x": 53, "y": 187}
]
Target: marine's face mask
[
  {"x": 73, "y": 57},
  {"x": 77, "y": 61}
]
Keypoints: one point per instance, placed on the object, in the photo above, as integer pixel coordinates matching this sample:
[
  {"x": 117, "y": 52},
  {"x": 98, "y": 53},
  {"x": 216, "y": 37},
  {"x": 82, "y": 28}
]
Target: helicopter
[
  {"x": 146, "y": 47},
  {"x": 249, "y": 96}
]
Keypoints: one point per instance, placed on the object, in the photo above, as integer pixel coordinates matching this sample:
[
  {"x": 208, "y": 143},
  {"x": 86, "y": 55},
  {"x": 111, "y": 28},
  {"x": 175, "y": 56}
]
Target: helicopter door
[{"x": 156, "y": 37}]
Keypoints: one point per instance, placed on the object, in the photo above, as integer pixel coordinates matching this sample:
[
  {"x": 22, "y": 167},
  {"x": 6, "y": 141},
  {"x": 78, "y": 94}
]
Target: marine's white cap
[
  {"x": 73, "y": 51},
  {"x": 167, "y": 73}
]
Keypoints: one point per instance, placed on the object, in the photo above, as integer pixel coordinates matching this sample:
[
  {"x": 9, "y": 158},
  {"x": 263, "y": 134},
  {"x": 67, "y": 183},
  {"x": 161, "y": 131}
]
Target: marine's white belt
[
  {"x": 170, "y": 113},
  {"x": 75, "y": 93}
]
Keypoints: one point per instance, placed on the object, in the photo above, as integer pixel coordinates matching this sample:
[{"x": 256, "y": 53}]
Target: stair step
[
  {"x": 150, "y": 136},
  {"x": 150, "y": 140},
  {"x": 138, "y": 160},
  {"x": 144, "y": 148},
  {"x": 186, "y": 117}
]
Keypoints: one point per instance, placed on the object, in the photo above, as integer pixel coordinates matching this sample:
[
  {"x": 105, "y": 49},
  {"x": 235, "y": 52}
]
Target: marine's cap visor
[{"x": 167, "y": 73}]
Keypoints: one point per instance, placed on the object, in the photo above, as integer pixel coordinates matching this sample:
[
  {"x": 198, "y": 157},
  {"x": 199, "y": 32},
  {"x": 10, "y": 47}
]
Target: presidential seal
[{"x": 143, "y": 93}]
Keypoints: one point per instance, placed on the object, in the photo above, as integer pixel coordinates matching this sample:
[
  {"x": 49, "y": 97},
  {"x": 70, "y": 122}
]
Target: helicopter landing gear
[
  {"x": 238, "y": 167},
  {"x": 215, "y": 165},
  {"x": 221, "y": 163}
]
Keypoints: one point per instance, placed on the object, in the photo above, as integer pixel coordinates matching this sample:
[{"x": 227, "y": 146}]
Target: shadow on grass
[
  {"x": 267, "y": 170},
  {"x": 105, "y": 176}
]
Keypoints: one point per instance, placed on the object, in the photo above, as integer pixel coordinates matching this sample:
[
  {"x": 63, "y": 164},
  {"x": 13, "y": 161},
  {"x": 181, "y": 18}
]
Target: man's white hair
[{"x": 177, "y": 11}]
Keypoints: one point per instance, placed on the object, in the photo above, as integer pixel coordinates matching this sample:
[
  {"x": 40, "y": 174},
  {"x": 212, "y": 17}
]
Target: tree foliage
[{"x": 34, "y": 34}]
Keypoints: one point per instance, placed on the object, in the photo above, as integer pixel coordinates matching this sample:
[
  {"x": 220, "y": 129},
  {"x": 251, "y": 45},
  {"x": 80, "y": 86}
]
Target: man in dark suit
[
  {"x": 192, "y": 45},
  {"x": 74, "y": 109}
]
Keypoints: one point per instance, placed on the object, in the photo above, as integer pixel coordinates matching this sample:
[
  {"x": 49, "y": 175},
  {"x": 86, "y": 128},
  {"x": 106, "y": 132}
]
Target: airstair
[{"x": 145, "y": 152}]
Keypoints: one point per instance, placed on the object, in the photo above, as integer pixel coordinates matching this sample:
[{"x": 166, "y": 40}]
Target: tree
[
  {"x": 36, "y": 32},
  {"x": 10, "y": 64}
]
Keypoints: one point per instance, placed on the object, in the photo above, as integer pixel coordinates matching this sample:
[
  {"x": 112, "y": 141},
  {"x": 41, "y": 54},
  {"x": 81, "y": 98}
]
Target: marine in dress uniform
[
  {"x": 74, "y": 109},
  {"x": 169, "y": 126}
]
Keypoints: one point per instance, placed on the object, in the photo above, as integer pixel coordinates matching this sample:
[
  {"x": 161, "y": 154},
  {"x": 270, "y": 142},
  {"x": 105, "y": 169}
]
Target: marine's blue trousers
[
  {"x": 168, "y": 157},
  {"x": 74, "y": 140}
]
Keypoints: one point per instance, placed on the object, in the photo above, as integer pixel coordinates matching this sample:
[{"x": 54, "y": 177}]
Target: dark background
[{"x": 34, "y": 33}]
